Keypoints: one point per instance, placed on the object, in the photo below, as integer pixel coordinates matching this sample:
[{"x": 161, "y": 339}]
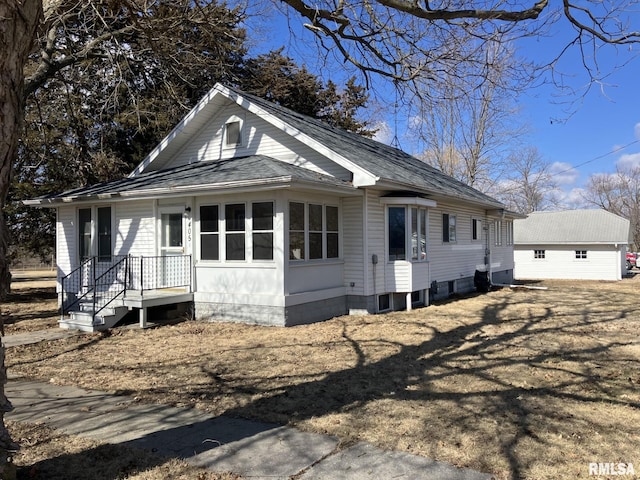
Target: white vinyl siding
[
  {"x": 353, "y": 245},
  {"x": 452, "y": 261},
  {"x": 66, "y": 239},
  {"x": 259, "y": 138},
  {"x": 135, "y": 228}
]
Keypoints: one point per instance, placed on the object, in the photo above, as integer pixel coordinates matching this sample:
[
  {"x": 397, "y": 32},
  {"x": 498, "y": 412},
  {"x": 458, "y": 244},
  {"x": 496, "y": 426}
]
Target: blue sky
[{"x": 594, "y": 134}]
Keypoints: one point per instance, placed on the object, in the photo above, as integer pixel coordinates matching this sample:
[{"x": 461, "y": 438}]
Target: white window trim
[
  {"x": 234, "y": 119},
  {"x": 94, "y": 244},
  {"x": 325, "y": 232}
]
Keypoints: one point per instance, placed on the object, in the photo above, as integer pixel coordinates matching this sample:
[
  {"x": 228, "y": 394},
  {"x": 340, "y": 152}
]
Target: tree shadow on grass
[{"x": 417, "y": 373}]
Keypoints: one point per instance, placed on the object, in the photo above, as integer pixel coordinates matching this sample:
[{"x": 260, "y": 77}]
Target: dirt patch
[{"x": 526, "y": 384}]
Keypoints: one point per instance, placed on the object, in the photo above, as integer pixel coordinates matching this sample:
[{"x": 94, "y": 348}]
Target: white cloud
[
  {"x": 564, "y": 173},
  {"x": 629, "y": 160},
  {"x": 384, "y": 133}
]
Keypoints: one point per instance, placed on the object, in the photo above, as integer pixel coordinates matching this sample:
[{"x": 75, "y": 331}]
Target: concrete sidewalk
[{"x": 252, "y": 449}]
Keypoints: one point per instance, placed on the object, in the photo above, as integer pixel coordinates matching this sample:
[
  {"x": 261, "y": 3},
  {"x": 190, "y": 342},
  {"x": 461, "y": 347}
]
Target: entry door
[
  {"x": 170, "y": 270},
  {"x": 172, "y": 241}
]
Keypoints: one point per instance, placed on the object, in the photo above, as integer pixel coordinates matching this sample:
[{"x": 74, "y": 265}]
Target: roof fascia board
[
  {"x": 361, "y": 176},
  {"x": 218, "y": 188}
]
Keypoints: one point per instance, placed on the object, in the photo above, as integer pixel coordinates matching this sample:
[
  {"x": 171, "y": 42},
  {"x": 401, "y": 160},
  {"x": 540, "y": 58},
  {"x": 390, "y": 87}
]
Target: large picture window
[{"x": 314, "y": 231}]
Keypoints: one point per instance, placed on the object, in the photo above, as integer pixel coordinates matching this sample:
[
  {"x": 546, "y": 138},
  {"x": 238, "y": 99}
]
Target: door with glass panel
[{"x": 170, "y": 268}]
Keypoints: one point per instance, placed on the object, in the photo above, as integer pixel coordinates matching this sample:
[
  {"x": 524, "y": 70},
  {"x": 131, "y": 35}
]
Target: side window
[
  {"x": 209, "y": 233},
  {"x": 497, "y": 232},
  {"x": 509, "y": 226},
  {"x": 448, "y": 228},
  {"x": 397, "y": 231},
  {"x": 539, "y": 254},
  {"x": 476, "y": 229}
]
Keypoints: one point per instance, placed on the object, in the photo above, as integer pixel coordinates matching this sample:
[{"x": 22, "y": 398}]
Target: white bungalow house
[
  {"x": 572, "y": 244},
  {"x": 250, "y": 212}
]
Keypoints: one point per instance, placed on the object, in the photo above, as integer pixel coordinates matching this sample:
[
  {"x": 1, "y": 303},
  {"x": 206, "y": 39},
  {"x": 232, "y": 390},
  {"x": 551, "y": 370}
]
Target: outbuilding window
[
  {"x": 581, "y": 254},
  {"x": 539, "y": 254}
]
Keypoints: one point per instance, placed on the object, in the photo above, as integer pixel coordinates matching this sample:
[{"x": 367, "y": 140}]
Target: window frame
[
  {"x": 214, "y": 233},
  {"x": 233, "y": 120},
  {"x": 226, "y": 229},
  {"x": 509, "y": 232},
  {"x": 497, "y": 233},
  {"x": 304, "y": 235},
  {"x": 449, "y": 226},
  {"x": 539, "y": 254},
  {"x": 581, "y": 255},
  {"x": 95, "y": 235},
  {"x": 476, "y": 229}
]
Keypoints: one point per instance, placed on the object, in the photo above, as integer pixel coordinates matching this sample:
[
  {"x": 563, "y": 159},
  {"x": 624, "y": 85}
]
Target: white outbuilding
[{"x": 571, "y": 244}]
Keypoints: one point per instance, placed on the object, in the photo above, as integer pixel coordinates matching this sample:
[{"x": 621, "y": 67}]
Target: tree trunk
[{"x": 18, "y": 22}]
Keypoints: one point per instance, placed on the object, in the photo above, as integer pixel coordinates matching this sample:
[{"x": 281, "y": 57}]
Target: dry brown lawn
[{"x": 525, "y": 384}]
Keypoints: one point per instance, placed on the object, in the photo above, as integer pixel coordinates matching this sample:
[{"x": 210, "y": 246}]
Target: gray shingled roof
[
  {"x": 256, "y": 168},
  {"x": 381, "y": 160},
  {"x": 571, "y": 227}
]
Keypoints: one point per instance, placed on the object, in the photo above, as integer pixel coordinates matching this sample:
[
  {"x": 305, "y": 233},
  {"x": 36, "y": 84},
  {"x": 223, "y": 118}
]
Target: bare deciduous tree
[
  {"x": 618, "y": 193},
  {"x": 530, "y": 185},
  {"x": 407, "y": 39}
]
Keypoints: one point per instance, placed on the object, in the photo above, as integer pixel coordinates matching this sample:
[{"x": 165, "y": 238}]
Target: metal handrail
[
  {"x": 65, "y": 309},
  {"x": 122, "y": 291},
  {"x": 156, "y": 273}
]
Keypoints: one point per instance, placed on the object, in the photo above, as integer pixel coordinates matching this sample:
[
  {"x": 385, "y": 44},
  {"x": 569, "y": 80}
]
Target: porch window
[
  {"x": 84, "y": 229},
  {"x": 448, "y": 228},
  {"x": 333, "y": 248},
  {"x": 234, "y": 215},
  {"x": 314, "y": 231},
  {"x": 296, "y": 231},
  {"x": 104, "y": 234},
  {"x": 209, "y": 233},
  {"x": 262, "y": 218},
  {"x": 102, "y": 244}
]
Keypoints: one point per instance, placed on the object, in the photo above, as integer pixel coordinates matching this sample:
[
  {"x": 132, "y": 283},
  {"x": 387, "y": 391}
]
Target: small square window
[
  {"x": 581, "y": 254},
  {"x": 539, "y": 254}
]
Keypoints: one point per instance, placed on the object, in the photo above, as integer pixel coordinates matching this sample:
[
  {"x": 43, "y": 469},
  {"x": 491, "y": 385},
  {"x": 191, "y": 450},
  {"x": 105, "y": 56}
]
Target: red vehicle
[{"x": 631, "y": 260}]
